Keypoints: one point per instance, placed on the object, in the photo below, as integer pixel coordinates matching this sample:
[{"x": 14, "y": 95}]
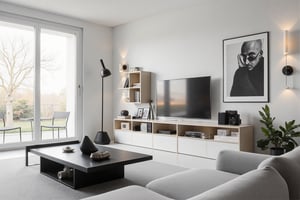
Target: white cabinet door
[
  {"x": 165, "y": 142},
  {"x": 124, "y": 137},
  {"x": 142, "y": 139},
  {"x": 192, "y": 146},
  {"x": 213, "y": 148}
]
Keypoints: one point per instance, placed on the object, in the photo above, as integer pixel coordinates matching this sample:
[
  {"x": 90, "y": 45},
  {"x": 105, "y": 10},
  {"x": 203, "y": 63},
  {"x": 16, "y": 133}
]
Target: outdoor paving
[{"x": 27, "y": 136}]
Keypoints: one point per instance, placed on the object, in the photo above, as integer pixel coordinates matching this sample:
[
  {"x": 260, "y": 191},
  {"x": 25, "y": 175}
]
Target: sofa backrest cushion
[
  {"x": 293, "y": 155},
  {"x": 238, "y": 162},
  {"x": 288, "y": 165},
  {"x": 186, "y": 184},
  {"x": 261, "y": 184}
]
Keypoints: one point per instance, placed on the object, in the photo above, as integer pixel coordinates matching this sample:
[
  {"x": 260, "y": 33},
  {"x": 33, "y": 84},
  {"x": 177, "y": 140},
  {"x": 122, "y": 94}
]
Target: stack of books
[
  {"x": 124, "y": 117},
  {"x": 136, "y": 85}
]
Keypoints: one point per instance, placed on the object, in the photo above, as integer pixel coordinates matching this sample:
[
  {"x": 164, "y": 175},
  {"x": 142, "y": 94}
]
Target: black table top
[{"x": 82, "y": 162}]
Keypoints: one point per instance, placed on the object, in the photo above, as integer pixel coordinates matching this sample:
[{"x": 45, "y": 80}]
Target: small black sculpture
[
  {"x": 87, "y": 146},
  {"x": 151, "y": 111}
]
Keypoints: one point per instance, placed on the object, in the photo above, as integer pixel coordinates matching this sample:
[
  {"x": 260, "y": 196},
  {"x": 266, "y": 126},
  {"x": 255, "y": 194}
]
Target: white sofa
[{"x": 238, "y": 175}]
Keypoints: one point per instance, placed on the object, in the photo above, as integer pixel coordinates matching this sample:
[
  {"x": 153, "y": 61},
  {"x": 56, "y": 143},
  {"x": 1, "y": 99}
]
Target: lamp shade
[{"x": 104, "y": 72}]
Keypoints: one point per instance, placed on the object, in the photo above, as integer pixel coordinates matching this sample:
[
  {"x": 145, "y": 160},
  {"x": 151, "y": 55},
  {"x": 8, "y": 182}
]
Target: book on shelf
[
  {"x": 136, "y": 85},
  {"x": 124, "y": 117},
  {"x": 126, "y": 83},
  {"x": 226, "y": 138}
]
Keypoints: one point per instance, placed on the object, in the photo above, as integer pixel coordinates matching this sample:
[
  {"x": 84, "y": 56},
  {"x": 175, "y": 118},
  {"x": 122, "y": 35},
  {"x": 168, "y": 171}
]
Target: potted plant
[{"x": 281, "y": 139}]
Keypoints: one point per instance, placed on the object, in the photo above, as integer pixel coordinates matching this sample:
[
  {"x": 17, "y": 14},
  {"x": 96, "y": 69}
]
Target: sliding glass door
[
  {"x": 39, "y": 70},
  {"x": 17, "y": 47},
  {"x": 57, "y": 88}
]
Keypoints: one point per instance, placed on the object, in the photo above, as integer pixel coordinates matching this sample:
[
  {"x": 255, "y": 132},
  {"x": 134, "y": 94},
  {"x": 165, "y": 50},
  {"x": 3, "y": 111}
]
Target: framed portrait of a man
[{"x": 246, "y": 68}]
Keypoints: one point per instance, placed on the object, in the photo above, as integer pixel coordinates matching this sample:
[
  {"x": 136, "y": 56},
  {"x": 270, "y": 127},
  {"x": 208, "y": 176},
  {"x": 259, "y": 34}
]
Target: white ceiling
[{"x": 105, "y": 12}]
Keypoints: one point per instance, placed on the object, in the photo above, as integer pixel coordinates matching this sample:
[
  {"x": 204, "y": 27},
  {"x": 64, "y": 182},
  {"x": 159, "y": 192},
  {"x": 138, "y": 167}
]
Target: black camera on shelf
[
  {"x": 124, "y": 112},
  {"x": 230, "y": 117}
]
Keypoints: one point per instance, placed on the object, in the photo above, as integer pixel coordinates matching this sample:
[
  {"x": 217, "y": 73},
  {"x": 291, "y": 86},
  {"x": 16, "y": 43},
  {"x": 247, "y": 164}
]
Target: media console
[{"x": 190, "y": 137}]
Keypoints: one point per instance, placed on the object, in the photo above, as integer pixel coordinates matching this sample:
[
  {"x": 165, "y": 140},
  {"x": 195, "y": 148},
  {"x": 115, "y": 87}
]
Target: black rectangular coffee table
[{"x": 85, "y": 171}]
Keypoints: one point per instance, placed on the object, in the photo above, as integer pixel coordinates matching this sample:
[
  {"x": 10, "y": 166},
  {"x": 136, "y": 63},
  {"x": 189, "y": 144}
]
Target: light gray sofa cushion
[
  {"x": 189, "y": 183},
  {"x": 144, "y": 172},
  {"x": 133, "y": 192},
  {"x": 260, "y": 184},
  {"x": 238, "y": 162},
  {"x": 288, "y": 165}
]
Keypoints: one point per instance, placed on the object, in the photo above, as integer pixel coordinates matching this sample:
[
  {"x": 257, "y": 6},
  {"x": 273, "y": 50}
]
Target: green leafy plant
[{"x": 278, "y": 138}]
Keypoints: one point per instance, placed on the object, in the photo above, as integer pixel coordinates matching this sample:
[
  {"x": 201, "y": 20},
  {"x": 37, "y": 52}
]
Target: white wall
[
  {"x": 97, "y": 43},
  {"x": 188, "y": 43}
]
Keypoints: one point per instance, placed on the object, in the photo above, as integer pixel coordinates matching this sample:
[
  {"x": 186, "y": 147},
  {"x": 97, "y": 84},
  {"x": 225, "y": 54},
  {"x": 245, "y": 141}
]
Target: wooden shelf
[
  {"x": 180, "y": 143},
  {"x": 139, "y": 87}
]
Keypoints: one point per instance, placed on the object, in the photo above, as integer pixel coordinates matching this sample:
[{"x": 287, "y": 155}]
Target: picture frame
[
  {"x": 140, "y": 112},
  {"x": 145, "y": 113},
  {"x": 246, "y": 68},
  {"x": 124, "y": 125}
]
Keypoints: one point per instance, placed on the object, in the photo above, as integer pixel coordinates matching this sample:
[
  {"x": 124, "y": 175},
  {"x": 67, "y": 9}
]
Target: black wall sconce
[
  {"x": 287, "y": 70},
  {"x": 123, "y": 67}
]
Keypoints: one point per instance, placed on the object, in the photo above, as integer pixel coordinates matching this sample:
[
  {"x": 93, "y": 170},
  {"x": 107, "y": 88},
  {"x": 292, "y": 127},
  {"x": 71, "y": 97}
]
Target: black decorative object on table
[
  {"x": 66, "y": 173},
  {"x": 100, "y": 155},
  {"x": 102, "y": 136},
  {"x": 87, "y": 146},
  {"x": 68, "y": 149}
]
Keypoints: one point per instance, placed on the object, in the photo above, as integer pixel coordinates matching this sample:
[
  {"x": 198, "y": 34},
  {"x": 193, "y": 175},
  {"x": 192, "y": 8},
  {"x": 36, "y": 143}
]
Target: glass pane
[
  {"x": 58, "y": 69},
  {"x": 16, "y": 81}
]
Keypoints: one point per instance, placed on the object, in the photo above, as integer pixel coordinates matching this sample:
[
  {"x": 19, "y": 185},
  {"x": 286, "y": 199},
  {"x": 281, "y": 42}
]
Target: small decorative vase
[{"x": 87, "y": 146}]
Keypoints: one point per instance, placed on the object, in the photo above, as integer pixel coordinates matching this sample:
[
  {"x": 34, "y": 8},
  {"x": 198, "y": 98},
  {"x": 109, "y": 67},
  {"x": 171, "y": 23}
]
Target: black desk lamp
[{"x": 102, "y": 136}]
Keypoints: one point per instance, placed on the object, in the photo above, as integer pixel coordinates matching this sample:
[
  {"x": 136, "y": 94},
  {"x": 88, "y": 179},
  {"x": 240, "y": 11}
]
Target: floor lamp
[{"x": 102, "y": 136}]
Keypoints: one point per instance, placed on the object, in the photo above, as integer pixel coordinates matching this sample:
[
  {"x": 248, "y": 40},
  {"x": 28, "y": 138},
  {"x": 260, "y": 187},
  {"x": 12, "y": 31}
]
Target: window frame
[{"x": 37, "y": 25}]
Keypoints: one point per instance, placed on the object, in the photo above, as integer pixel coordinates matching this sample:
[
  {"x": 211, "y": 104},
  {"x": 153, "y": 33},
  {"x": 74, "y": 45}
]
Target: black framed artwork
[
  {"x": 140, "y": 112},
  {"x": 246, "y": 68},
  {"x": 145, "y": 113}
]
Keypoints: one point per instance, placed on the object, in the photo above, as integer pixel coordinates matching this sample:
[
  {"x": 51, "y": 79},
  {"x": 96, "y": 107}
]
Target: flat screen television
[{"x": 184, "y": 98}]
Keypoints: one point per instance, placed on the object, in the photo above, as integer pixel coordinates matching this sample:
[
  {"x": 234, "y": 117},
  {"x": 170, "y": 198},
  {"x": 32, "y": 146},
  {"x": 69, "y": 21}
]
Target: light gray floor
[{"x": 26, "y": 183}]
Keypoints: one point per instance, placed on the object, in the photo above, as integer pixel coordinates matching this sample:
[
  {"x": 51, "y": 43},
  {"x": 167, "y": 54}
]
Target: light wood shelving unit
[
  {"x": 139, "y": 86},
  {"x": 178, "y": 142}
]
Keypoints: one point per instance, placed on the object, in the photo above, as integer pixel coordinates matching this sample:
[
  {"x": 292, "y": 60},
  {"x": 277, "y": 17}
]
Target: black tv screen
[{"x": 188, "y": 98}]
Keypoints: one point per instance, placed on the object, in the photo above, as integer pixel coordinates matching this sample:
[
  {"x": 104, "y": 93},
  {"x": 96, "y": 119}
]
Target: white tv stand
[{"x": 126, "y": 131}]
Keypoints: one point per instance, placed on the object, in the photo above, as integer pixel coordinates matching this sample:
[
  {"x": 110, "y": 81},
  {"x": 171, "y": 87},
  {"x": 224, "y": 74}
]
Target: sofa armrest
[{"x": 238, "y": 162}]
